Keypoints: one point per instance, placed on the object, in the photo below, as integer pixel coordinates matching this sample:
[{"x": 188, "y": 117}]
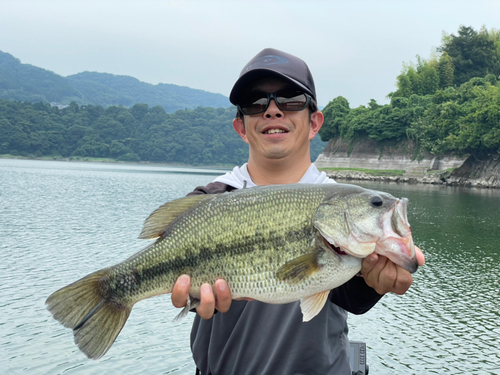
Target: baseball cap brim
[{"x": 242, "y": 84}]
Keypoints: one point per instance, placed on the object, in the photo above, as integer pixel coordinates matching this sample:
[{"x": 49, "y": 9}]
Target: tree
[
  {"x": 474, "y": 54},
  {"x": 334, "y": 113},
  {"x": 446, "y": 71},
  {"x": 429, "y": 78}
]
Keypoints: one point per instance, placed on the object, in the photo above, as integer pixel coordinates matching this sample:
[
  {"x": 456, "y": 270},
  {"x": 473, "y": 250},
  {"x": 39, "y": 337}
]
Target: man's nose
[{"x": 273, "y": 110}]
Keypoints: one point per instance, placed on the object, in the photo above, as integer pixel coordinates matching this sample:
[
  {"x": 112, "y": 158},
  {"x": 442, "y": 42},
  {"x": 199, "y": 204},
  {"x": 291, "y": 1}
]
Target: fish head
[{"x": 358, "y": 222}]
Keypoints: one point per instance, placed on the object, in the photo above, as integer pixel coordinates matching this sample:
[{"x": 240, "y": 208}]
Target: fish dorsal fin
[
  {"x": 155, "y": 224},
  {"x": 299, "y": 268},
  {"x": 312, "y": 305}
]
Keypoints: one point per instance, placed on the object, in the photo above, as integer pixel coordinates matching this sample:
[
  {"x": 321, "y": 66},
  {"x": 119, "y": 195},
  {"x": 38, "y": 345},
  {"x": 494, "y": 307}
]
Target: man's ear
[
  {"x": 239, "y": 126},
  {"x": 317, "y": 120}
]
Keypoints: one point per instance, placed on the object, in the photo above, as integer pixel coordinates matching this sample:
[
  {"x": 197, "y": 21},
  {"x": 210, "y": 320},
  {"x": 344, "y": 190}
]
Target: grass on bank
[{"x": 373, "y": 172}]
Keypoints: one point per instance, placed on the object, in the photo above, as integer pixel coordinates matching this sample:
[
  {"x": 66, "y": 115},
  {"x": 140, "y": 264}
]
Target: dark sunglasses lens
[
  {"x": 287, "y": 100},
  {"x": 291, "y": 100},
  {"x": 254, "y": 103}
]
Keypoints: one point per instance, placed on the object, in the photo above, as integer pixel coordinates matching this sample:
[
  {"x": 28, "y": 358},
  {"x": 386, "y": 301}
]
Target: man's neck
[{"x": 274, "y": 172}]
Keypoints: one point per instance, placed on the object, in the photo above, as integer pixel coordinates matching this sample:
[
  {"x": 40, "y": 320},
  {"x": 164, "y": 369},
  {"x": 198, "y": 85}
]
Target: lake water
[{"x": 62, "y": 220}]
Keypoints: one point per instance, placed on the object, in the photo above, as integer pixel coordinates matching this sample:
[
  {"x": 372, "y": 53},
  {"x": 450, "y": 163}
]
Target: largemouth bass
[{"x": 275, "y": 244}]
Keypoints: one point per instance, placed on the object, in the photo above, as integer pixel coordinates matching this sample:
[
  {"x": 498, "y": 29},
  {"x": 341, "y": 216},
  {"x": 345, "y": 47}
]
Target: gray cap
[{"x": 273, "y": 63}]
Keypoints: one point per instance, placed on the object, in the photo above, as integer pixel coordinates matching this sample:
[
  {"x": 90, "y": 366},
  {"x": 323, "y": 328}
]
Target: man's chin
[{"x": 276, "y": 154}]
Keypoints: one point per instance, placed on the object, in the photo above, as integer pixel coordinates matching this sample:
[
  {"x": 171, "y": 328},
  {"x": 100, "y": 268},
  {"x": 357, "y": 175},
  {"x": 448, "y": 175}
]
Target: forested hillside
[
  {"x": 32, "y": 84},
  {"x": 448, "y": 104},
  {"x": 200, "y": 136},
  {"x": 203, "y": 136}
]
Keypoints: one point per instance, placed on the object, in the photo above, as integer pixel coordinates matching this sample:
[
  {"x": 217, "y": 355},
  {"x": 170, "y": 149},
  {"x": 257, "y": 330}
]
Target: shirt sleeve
[
  {"x": 355, "y": 296},
  {"x": 212, "y": 188}
]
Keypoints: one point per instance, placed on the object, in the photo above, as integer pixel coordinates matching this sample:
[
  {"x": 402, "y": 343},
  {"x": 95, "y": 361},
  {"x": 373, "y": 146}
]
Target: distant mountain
[
  {"x": 29, "y": 83},
  {"x": 32, "y": 84},
  {"x": 109, "y": 89}
]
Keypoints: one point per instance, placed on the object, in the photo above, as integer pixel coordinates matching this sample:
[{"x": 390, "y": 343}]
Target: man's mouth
[{"x": 274, "y": 131}]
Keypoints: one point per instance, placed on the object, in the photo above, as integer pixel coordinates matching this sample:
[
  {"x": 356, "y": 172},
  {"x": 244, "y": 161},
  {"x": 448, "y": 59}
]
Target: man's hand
[
  {"x": 384, "y": 276},
  {"x": 208, "y": 302}
]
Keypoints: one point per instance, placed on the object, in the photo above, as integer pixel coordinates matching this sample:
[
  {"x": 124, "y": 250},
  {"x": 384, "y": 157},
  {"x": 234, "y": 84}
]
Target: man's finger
[
  {"x": 403, "y": 281},
  {"x": 420, "y": 256},
  {"x": 180, "y": 292},
  {"x": 207, "y": 302},
  {"x": 223, "y": 296},
  {"x": 368, "y": 263},
  {"x": 387, "y": 275}
]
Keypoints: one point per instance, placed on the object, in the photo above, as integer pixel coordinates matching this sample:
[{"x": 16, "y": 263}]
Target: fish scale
[
  {"x": 209, "y": 245},
  {"x": 275, "y": 244}
]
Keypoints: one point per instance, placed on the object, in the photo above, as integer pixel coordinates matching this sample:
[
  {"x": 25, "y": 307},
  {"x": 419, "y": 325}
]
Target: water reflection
[{"x": 106, "y": 167}]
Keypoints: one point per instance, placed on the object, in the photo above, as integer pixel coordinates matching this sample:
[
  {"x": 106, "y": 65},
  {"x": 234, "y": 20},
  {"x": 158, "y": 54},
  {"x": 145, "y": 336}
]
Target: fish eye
[{"x": 376, "y": 201}]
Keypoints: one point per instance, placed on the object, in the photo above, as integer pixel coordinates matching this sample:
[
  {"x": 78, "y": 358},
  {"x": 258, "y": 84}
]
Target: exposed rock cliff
[
  {"x": 474, "y": 172},
  {"x": 369, "y": 154},
  {"x": 418, "y": 168}
]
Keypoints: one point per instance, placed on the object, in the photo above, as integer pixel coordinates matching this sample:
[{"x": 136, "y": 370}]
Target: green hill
[{"x": 32, "y": 84}]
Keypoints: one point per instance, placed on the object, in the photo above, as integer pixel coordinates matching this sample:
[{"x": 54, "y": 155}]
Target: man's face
[{"x": 276, "y": 134}]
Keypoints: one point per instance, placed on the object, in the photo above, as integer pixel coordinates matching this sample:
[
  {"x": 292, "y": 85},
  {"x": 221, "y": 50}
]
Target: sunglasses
[{"x": 256, "y": 102}]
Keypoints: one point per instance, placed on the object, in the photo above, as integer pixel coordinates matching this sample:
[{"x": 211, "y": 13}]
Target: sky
[{"x": 354, "y": 48}]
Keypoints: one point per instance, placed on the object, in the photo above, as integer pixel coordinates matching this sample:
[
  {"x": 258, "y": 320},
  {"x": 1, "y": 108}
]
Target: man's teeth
[{"x": 273, "y": 131}]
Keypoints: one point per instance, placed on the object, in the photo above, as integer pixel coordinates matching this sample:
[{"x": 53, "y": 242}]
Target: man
[{"x": 278, "y": 117}]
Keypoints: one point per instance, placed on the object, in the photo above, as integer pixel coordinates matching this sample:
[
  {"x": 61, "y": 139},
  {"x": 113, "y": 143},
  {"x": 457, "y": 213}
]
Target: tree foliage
[
  {"x": 200, "y": 136},
  {"x": 474, "y": 54},
  {"x": 203, "y": 136},
  {"x": 449, "y": 104}
]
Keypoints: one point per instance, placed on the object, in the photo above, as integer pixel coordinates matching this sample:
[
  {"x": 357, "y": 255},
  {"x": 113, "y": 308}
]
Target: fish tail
[{"x": 83, "y": 307}]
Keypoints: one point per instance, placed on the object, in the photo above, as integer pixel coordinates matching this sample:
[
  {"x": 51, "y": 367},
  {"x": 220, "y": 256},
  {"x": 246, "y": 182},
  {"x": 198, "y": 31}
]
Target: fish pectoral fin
[
  {"x": 155, "y": 224},
  {"x": 299, "y": 268},
  {"x": 312, "y": 305}
]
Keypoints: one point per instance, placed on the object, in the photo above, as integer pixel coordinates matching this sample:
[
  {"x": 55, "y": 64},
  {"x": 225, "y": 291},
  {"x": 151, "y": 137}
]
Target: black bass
[{"x": 275, "y": 244}]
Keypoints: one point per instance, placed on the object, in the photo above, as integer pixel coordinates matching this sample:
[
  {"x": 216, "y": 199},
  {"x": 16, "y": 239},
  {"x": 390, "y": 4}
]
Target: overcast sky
[{"x": 354, "y": 48}]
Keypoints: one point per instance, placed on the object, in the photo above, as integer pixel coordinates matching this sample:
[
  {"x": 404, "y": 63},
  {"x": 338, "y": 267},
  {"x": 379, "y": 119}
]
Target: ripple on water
[{"x": 58, "y": 224}]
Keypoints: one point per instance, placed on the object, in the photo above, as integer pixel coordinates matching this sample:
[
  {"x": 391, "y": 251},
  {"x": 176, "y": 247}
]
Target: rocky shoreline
[
  {"x": 387, "y": 157},
  {"x": 436, "y": 178}
]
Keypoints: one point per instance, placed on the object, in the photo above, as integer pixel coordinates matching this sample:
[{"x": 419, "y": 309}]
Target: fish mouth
[
  {"x": 336, "y": 249},
  {"x": 394, "y": 242},
  {"x": 397, "y": 241}
]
